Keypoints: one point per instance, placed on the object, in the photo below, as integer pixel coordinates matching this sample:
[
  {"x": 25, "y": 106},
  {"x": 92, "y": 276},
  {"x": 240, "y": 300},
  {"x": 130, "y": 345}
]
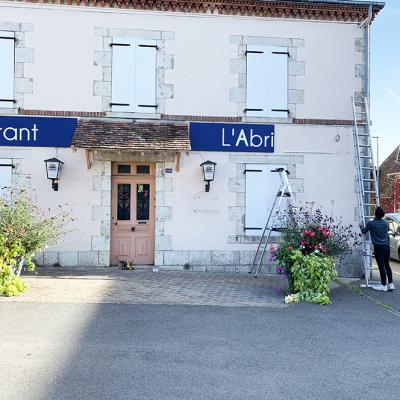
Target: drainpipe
[{"x": 367, "y": 35}]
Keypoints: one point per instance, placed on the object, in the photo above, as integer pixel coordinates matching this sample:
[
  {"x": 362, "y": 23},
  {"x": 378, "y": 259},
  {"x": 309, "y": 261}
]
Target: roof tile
[{"x": 128, "y": 135}]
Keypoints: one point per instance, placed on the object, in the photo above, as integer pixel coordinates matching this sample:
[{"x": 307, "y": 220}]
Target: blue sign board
[
  {"x": 247, "y": 138},
  {"x": 37, "y": 131}
]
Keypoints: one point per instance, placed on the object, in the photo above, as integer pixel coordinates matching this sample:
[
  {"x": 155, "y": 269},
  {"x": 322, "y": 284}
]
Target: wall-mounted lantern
[
  {"x": 53, "y": 169},
  {"x": 208, "y": 172}
]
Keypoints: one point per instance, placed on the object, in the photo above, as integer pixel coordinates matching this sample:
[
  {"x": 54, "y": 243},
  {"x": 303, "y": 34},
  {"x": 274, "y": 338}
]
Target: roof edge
[{"x": 341, "y": 10}]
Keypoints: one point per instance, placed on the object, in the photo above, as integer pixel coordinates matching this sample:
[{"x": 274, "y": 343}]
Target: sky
[{"x": 385, "y": 78}]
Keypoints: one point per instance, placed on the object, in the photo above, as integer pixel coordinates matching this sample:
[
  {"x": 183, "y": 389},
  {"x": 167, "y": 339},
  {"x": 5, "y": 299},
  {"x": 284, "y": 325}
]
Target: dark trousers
[{"x": 382, "y": 255}]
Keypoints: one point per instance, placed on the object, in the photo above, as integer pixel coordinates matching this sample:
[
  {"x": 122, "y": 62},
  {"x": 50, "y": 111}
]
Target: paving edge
[{"x": 362, "y": 293}]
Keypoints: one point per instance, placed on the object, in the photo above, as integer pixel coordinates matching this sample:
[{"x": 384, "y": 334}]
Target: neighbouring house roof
[
  {"x": 336, "y": 10},
  {"x": 128, "y": 135},
  {"x": 390, "y": 166}
]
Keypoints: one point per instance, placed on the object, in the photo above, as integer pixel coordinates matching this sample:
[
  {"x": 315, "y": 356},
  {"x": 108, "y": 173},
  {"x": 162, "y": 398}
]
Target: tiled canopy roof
[
  {"x": 344, "y": 10},
  {"x": 389, "y": 166},
  {"x": 127, "y": 135}
]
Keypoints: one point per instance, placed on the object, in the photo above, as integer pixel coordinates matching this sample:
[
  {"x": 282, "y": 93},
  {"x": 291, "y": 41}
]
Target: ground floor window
[
  {"x": 5, "y": 175},
  {"x": 262, "y": 186}
]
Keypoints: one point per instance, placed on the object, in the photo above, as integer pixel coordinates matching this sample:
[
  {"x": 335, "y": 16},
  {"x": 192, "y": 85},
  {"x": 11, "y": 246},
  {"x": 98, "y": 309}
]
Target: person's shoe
[
  {"x": 391, "y": 287},
  {"x": 380, "y": 287}
]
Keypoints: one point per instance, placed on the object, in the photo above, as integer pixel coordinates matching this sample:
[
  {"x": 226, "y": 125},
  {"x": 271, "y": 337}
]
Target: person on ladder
[{"x": 379, "y": 228}]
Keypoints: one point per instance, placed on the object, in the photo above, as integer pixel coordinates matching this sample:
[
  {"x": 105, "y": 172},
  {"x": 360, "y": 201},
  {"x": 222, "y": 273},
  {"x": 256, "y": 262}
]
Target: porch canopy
[{"x": 124, "y": 135}]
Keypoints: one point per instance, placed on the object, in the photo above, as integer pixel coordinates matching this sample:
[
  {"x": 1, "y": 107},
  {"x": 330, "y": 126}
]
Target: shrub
[
  {"x": 10, "y": 284},
  {"x": 25, "y": 229},
  {"x": 311, "y": 275},
  {"x": 24, "y": 222},
  {"x": 309, "y": 242}
]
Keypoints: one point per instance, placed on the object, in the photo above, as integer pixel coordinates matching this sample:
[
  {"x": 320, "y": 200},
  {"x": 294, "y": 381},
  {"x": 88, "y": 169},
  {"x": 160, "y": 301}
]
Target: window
[
  {"x": 124, "y": 169},
  {"x": 393, "y": 225},
  {"x": 143, "y": 202},
  {"x": 133, "y": 79},
  {"x": 267, "y": 82},
  {"x": 124, "y": 202},
  {"x": 5, "y": 177},
  {"x": 143, "y": 169},
  {"x": 262, "y": 187},
  {"x": 7, "y": 40}
]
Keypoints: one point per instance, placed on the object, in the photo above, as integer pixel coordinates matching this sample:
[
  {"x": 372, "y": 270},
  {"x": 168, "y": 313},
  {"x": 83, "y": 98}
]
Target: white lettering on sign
[
  {"x": 223, "y": 139},
  {"x": 12, "y": 134},
  {"x": 247, "y": 139}
]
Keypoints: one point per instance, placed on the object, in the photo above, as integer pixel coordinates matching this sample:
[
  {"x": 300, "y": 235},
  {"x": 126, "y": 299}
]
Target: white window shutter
[
  {"x": 262, "y": 186},
  {"x": 123, "y": 75},
  {"x": 257, "y": 81},
  {"x": 146, "y": 59},
  {"x": 277, "y": 82},
  {"x": 6, "y": 69},
  {"x": 267, "y": 82},
  {"x": 5, "y": 177}
]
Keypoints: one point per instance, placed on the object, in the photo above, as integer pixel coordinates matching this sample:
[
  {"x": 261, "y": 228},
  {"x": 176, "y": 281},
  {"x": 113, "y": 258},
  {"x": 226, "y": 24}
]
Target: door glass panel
[
  {"x": 124, "y": 169},
  {"x": 143, "y": 169},
  {"x": 142, "y": 201},
  {"x": 124, "y": 202}
]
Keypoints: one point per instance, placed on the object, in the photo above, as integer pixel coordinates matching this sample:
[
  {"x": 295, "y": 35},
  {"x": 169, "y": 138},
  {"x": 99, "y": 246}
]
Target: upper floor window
[
  {"x": 267, "y": 82},
  {"x": 133, "y": 79},
  {"x": 7, "y": 40}
]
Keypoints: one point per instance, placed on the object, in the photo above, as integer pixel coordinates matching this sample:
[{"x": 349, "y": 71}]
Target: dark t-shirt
[{"x": 379, "y": 231}]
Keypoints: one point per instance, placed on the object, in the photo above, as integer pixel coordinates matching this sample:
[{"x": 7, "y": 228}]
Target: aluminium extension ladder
[
  {"x": 285, "y": 191},
  {"x": 366, "y": 177}
]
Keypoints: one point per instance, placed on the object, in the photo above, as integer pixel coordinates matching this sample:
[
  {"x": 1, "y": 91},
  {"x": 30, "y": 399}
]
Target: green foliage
[
  {"x": 314, "y": 232},
  {"x": 25, "y": 229},
  {"x": 309, "y": 242},
  {"x": 10, "y": 285},
  {"x": 311, "y": 275},
  {"x": 23, "y": 222}
]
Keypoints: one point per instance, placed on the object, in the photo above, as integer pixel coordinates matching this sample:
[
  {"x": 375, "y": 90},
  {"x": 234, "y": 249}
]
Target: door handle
[{"x": 133, "y": 229}]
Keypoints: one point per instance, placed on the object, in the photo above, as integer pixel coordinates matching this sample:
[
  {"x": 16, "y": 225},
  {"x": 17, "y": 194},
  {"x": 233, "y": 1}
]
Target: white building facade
[{"x": 133, "y": 100}]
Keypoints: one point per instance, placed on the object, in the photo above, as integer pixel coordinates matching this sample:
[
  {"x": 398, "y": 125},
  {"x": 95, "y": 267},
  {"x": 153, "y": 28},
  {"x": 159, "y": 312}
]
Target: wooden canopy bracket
[
  {"x": 178, "y": 162},
  {"x": 88, "y": 162}
]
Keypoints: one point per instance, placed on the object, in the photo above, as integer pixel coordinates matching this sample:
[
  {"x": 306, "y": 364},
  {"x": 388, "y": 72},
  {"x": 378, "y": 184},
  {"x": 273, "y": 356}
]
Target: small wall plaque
[{"x": 168, "y": 170}]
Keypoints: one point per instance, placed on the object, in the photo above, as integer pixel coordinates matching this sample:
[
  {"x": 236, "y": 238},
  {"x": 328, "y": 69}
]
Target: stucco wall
[
  {"x": 65, "y": 66},
  {"x": 201, "y": 63},
  {"x": 84, "y": 194},
  {"x": 192, "y": 226},
  {"x": 206, "y": 229}
]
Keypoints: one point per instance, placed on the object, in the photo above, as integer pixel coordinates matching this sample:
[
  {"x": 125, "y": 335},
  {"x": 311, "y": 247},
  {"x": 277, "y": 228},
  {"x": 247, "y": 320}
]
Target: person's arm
[{"x": 365, "y": 229}]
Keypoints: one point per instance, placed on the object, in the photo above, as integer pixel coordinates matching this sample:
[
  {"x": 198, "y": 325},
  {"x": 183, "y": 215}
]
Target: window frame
[{"x": 131, "y": 95}]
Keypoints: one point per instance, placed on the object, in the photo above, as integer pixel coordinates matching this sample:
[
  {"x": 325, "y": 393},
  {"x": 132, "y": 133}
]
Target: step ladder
[
  {"x": 366, "y": 177},
  {"x": 272, "y": 225}
]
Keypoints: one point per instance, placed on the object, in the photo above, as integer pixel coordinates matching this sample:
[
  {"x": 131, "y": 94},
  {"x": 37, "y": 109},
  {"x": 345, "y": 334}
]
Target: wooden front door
[{"x": 132, "y": 214}]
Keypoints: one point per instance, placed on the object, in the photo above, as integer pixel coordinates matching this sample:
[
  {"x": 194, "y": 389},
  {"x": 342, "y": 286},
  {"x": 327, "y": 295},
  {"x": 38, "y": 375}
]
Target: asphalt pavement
[{"x": 64, "y": 351}]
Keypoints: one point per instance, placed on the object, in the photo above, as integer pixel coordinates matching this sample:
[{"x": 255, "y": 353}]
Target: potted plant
[{"x": 309, "y": 245}]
